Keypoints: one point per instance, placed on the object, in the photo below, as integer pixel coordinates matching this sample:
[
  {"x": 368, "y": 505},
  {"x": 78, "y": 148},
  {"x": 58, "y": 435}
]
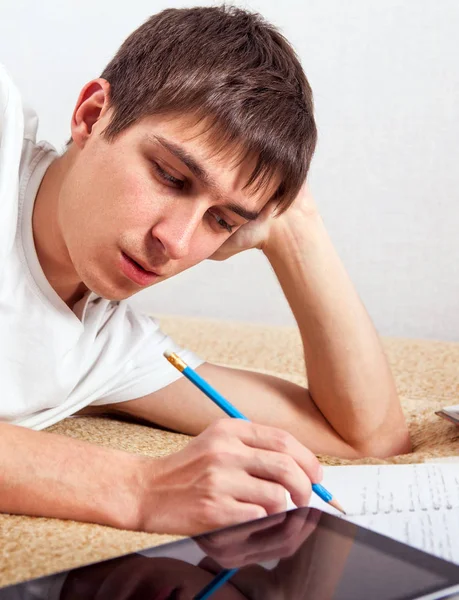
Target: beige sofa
[{"x": 427, "y": 376}]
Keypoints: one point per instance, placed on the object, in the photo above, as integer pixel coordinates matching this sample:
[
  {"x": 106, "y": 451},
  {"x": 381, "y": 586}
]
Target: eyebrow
[{"x": 200, "y": 173}]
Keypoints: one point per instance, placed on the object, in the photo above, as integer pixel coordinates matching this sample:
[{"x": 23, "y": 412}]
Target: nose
[{"x": 176, "y": 230}]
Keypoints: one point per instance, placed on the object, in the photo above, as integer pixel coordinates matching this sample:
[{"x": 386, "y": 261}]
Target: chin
[
  {"x": 113, "y": 297},
  {"x": 108, "y": 290},
  {"x": 113, "y": 294}
]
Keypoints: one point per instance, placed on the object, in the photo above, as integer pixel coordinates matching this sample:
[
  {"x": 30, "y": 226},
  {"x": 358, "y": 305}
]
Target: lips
[
  {"x": 136, "y": 272},
  {"x": 141, "y": 264}
]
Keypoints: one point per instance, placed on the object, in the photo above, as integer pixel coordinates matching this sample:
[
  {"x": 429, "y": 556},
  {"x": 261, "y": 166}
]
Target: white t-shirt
[{"x": 55, "y": 361}]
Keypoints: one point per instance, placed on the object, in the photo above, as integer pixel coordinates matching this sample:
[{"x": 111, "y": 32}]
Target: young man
[{"x": 194, "y": 143}]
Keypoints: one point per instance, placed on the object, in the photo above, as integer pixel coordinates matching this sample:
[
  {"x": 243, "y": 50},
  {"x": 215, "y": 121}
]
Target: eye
[
  {"x": 222, "y": 223},
  {"x": 167, "y": 177}
]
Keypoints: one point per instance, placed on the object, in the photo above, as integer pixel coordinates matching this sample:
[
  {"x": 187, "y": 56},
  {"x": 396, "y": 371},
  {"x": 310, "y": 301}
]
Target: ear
[{"x": 92, "y": 105}]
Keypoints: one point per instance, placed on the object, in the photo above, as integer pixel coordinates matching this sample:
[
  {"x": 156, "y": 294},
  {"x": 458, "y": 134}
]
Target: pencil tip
[{"x": 337, "y": 505}]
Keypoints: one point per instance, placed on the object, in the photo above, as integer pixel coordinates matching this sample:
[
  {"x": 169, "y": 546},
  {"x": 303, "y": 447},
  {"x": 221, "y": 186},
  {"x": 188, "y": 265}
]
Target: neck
[{"x": 49, "y": 242}]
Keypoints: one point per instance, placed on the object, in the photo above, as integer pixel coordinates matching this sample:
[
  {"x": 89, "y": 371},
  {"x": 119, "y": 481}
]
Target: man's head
[{"x": 203, "y": 116}]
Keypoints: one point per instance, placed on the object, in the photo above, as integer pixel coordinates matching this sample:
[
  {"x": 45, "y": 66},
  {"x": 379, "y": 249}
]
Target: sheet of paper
[
  {"x": 436, "y": 532},
  {"x": 375, "y": 489},
  {"x": 415, "y": 504}
]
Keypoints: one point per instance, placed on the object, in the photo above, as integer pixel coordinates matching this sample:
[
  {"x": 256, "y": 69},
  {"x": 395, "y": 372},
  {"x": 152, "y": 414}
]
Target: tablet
[{"x": 297, "y": 555}]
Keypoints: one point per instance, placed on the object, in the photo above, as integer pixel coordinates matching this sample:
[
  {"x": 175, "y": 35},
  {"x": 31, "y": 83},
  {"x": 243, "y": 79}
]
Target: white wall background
[{"x": 385, "y": 74}]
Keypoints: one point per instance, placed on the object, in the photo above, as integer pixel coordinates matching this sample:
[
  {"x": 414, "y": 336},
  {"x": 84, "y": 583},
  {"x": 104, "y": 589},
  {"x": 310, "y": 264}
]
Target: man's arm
[
  {"x": 262, "y": 398},
  {"x": 349, "y": 378},
  {"x": 351, "y": 408},
  {"x": 235, "y": 471},
  {"x": 49, "y": 475}
]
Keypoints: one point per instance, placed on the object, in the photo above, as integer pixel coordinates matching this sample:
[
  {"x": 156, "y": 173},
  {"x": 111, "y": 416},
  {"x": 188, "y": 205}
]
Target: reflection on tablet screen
[{"x": 291, "y": 556}]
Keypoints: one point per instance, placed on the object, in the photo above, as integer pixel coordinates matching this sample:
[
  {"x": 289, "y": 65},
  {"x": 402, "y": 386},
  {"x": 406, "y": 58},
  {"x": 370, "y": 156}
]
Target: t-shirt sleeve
[{"x": 147, "y": 370}]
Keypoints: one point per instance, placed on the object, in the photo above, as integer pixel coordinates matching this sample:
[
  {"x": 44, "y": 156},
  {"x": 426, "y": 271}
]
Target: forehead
[{"x": 204, "y": 142}]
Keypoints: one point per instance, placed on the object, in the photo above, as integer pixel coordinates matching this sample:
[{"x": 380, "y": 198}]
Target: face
[{"x": 148, "y": 205}]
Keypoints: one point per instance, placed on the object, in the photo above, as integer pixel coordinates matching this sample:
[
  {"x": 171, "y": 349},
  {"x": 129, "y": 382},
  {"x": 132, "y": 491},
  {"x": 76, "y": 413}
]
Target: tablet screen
[{"x": 297, "y": 555}]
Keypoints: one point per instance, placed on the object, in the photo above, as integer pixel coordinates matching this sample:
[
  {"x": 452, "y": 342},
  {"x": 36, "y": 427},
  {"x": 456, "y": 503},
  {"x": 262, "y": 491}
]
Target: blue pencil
[
  {"x": 215, "y": 584},
  {"x": 230, "y": 410}
]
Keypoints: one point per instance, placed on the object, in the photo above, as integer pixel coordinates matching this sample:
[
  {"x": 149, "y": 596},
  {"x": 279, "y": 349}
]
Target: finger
[
  {"x": 231, "y": 511},
  {"x": 239, "y": 536},
  {"x": 311, "y": 521},
  {"x": 264, "y": 437},
  {"x": 265, "y": 493},
  {"x": 252, "y": 557},
  {"x": 286, "y": 533},
  {"x": 268, "y": 210},
  {"x": 296, "y": 529},
  {"x": 300, "y": 529},
  {"x": 209, "y": 564},
  {"x": 281, "y": 533},
  {"x": 280, "y": 541},
  {"x": 230, "y": 549},
  {"x": 282, "y": 469},
  {"x": 239, "y": 485}
]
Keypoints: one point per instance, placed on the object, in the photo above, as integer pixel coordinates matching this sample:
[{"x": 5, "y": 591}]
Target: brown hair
[{"x": 231, "y": 69}]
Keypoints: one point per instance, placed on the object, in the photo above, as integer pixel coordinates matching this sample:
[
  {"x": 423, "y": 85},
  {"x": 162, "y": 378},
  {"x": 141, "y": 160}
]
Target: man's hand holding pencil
[{"x": 234, "y": 471}]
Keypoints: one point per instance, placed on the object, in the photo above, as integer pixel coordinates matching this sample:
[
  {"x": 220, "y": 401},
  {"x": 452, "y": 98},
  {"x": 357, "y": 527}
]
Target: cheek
[
  {"x": 203, "y": 248},
  {"x": 110, "y": 193},
  {"x": 137, "y": 198},
  {"x": 85, "y": 191}
]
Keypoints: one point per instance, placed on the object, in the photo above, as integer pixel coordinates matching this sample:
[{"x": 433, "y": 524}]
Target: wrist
[
  {"x": 128, "y": 511},
  {"x": 294, "y": 228},
  {"x": 147, "y": 494}
]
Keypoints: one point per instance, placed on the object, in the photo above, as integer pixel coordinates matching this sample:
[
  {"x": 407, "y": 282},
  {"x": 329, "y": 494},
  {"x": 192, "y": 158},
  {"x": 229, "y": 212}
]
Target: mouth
[{"x": 136, "y": 272}]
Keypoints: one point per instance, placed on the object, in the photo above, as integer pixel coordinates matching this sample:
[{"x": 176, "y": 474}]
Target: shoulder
[
  {"x": 18, "y": 121},
  {"x": 128, "y": 347},
  {"x": 129, "y": 335},
  {"x": 5, "y": 85},
  {"x": 11, "y": 140},
  {"x": 117, "y": 320},
  {"x": 10, "y": 101}
]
